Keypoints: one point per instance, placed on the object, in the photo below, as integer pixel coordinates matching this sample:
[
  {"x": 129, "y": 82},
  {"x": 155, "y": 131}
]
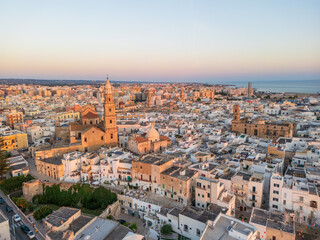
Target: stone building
[
  {"x": 13, "y": 140},
  {"x": 259, "y": 128},
  {"x": 89, "y": 133},
  {"x": 146, "y": 171},
  {"x": 151, "y": 143},
  {"x": 177, "y": 183},
  {"x": 52, "y": 167},
  {"x": 14, "y": 117},
  {"x": 273, "y": 225}
]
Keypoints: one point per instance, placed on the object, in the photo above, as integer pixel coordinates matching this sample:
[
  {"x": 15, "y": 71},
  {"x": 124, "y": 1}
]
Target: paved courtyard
[{"x": 140, "y": 223}]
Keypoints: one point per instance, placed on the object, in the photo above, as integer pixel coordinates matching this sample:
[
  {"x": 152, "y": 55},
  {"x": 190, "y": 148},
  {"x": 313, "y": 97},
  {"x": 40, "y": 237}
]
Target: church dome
[{"x": 153, "y": 134}]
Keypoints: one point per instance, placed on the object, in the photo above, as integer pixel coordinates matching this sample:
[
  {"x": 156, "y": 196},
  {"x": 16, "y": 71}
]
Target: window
[
  {"x": 275, "y": 199},
  {"x": 202, "y": 196},
  {"x": 275, "y": 192},
  {"x": 198, "y": 194},
  {"x": 300, "y": 208},
  {"x": 276, "y": 185},
  {"x": 110, "y": 121},
  {"x": 102, "y": 138},
  {"x": 185, "y": 228},
  {"x": 275, "y": 206},
  {"x": 198, "y": 232},
  {"x": 301, "y": 199},
  {"x": 253, "y": 189},
  {"x": 274, "y": 238},
  {"x": 109, "y": 109},
  {"x": 208, "y": 195},
  {"x": 284, "y": 202},
  {"x": 111, "y": 136},
  {"x": 85, "y": 139}
]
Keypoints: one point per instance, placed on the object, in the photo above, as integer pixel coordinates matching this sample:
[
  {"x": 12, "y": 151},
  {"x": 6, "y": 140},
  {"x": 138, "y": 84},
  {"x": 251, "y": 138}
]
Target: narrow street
[{"x": 15, "y": 227}]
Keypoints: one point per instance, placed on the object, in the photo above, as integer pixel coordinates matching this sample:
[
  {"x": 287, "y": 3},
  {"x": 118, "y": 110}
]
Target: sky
[{"x": 167, "y": 40}]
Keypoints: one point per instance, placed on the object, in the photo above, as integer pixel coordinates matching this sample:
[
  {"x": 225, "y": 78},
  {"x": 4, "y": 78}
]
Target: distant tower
[
  {"x": 110, "y": 118},
  {"x": 250, "y": 92},
  {"x": 212, "y": 95},
  {"x": 236, "y": 113},
  {"x": 171, "y": 107},
  {"x": 149, "y": 99},
  {"x": 236, "y": 118},
  {"x": 182, "y": 95}
]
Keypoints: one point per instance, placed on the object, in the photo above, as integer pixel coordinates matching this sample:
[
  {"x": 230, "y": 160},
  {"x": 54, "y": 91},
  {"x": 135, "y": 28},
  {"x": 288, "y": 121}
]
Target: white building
[
  {"x": 212, "y": 191},
  {"x": 294, "y": 194},
  {"x": 4, "y": 227},
  {"x": 225, "y": 227}
]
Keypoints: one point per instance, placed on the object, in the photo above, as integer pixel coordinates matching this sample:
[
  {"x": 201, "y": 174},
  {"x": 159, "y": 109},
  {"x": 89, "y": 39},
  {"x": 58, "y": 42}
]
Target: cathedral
[
  {"x": 259, "y": 128},
  {"x": 90, "y": 132}
]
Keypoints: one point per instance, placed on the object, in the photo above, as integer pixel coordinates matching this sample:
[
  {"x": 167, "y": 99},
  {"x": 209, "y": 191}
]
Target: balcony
[
  {"x": 252, "y": 200},
  {"x": 240, "y": 194}
]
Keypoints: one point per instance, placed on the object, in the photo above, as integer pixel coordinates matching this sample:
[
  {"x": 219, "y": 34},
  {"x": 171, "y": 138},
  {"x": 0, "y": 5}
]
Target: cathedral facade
[
  {"x": 259, "y": 128},
  {"x": 90, "y": 133}
]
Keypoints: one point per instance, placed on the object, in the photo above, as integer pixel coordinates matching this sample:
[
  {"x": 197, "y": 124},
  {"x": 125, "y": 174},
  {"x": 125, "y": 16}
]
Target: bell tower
[
  {"x": 110, "y": 118},
  {"x": 236, "y": 113}
]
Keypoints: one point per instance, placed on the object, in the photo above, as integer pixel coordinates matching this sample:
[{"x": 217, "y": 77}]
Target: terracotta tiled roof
[
  {"x": 90, "y": 115},
  {"x": 141, "y": 139},
  {"x": 78, "y": 127},
  {"x": 164, "y": 138}
]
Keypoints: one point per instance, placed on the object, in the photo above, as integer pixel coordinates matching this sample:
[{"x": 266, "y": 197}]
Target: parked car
[
  {"x": 2, "y": 200},
  {"x": 30, "y": 234},
  {"x": 9, "y": 208},
  {"x": 122, "y": 221},
  {"x": 16, "y": 218},
  {"x": 25, "y": 229}
]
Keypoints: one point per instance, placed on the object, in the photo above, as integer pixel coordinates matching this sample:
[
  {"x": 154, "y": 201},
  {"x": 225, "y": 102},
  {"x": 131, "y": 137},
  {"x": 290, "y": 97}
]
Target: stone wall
[{"x": 35, "y": 187}]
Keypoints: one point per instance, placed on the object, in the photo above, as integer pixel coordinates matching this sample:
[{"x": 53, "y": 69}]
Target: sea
[{"x": 289, "y": 86}]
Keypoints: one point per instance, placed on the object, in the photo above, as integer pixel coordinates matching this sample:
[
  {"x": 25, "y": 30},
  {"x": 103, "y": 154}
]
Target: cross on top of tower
[{"x": 108, "y": 89}]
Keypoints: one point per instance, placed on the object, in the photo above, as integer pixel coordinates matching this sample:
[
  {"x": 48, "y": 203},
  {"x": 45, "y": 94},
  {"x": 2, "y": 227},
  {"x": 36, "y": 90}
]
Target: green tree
[
  {"x": 166, "y": 229},
  {"x": 133, "y": 227},
  {"x": 21, "y": 202},
  {"x": 4, "y": 166},
  {"x": 42, "y": 212},
  {"x": 15, "y": 183}
]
